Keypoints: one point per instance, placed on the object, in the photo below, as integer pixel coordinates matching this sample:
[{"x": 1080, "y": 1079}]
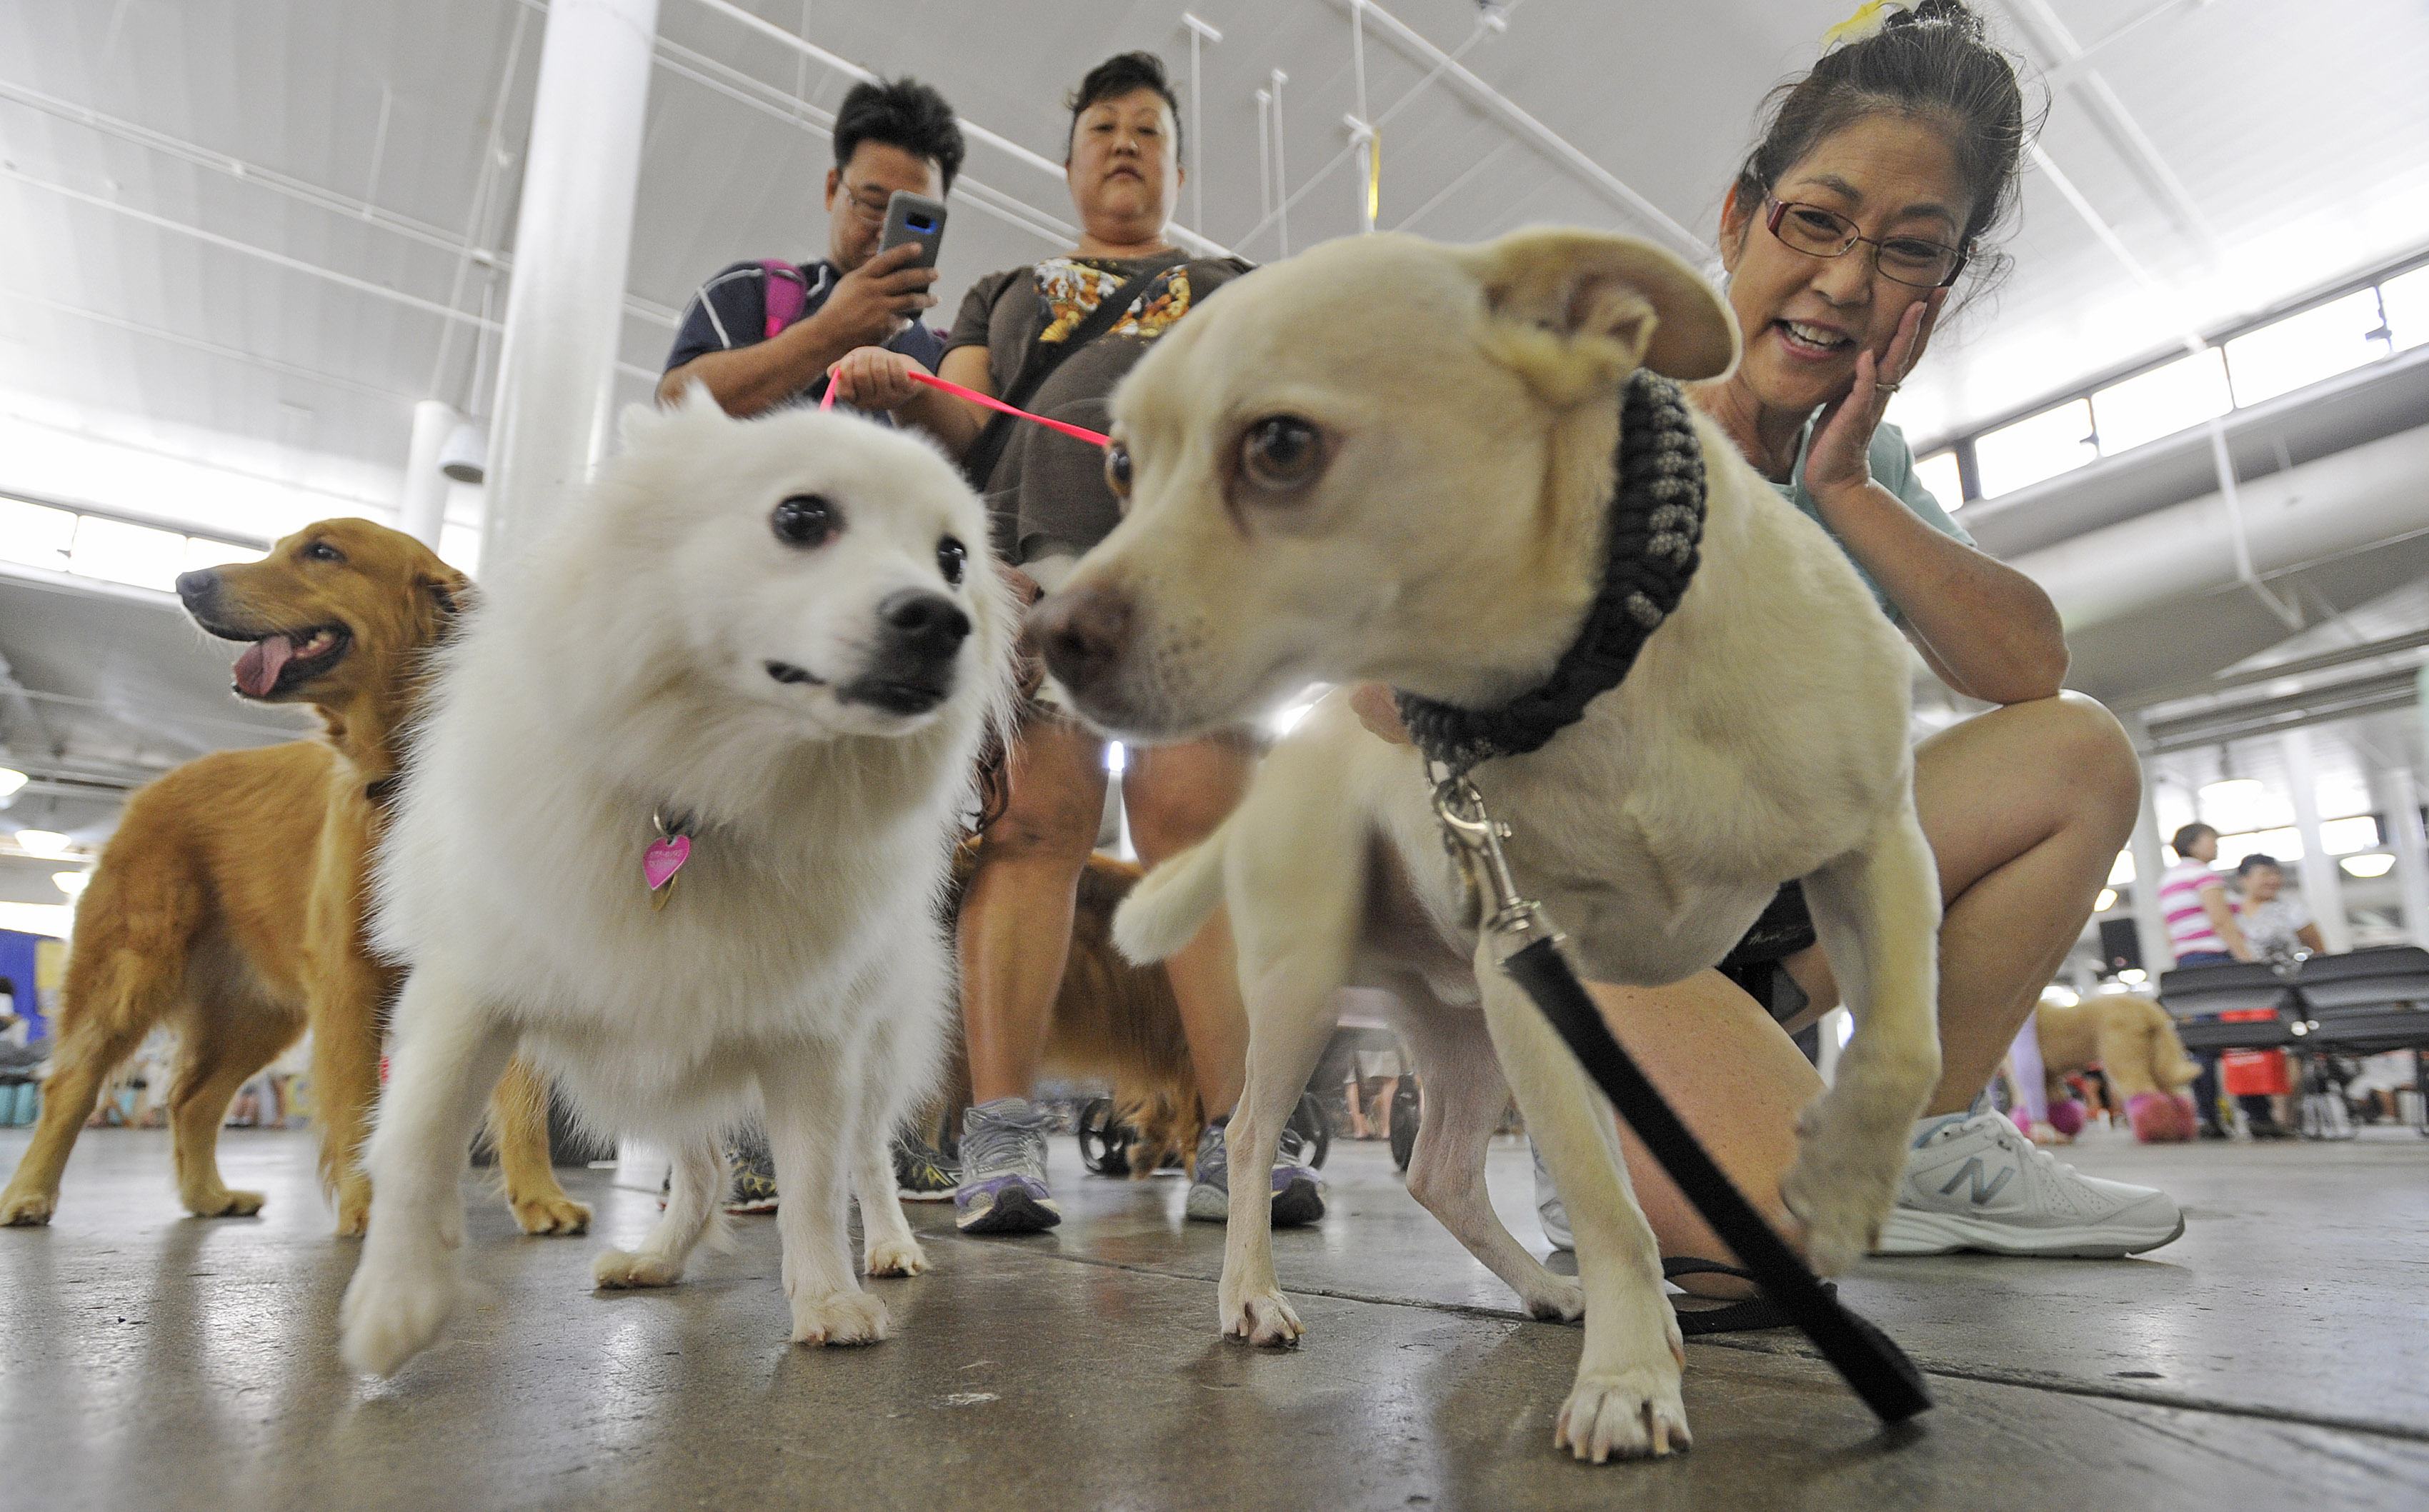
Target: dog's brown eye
[
  {"x": 323, "y": 552},
  {"x": 805, "y": 519},
  {"x": 950, "y": 555},
  {"x": 1117, "y": 469},
  {"x": 1282, "y": 452}
]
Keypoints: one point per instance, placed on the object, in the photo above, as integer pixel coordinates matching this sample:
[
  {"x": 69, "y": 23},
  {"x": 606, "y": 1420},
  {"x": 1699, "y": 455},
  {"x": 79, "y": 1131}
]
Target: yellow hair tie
[{"x": 1865, "y": 24}]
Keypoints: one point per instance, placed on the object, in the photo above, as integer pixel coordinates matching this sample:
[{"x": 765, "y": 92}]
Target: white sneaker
[
  {"x": 1979, "y": 1184},
  {"x": 1548, "y": 1206}
]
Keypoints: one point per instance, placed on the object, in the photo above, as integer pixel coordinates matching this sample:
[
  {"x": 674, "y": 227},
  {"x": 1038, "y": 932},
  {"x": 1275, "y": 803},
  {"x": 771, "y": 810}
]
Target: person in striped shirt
[{"x": 2202, "y": 931}]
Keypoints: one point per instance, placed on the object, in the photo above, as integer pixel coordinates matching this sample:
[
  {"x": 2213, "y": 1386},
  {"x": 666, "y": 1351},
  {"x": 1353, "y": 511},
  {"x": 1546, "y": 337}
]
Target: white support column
[
  {"x": 2323, "y": 891},
  {"x": 2150, "y": 862},
  {"x": 1199, "y": 33},
  {"x": 421, "y": 504},
  {"x": 2400, "y": 801},
  {"x": 573, "y": 237}
]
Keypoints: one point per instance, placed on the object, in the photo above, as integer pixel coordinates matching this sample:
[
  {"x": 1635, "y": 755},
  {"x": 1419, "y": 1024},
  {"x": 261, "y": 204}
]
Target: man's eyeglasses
[
  {"x": 869, "y": 204},
  {"x": 1917, "y": 262}
]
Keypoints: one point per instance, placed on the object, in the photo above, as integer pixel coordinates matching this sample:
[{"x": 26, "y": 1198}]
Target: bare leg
[
  {"x": 1016, "y": 925},
  {"x": 2024, "y": 808},
  {"x": 1176, "y": 795}
]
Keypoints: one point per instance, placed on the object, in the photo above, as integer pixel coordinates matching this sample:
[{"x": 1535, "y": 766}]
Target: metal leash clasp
[{"x": 1513, "y": 920}]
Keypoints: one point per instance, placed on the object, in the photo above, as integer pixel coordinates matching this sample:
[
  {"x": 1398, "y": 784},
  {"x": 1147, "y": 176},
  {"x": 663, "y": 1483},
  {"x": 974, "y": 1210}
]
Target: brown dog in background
[
  {"x": 229, "y": 903},
  {"x": 1112, "y": 1022}
]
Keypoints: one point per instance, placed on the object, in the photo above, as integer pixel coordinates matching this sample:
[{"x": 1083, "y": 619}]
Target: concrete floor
[{"x": 2271, "y": 1357}]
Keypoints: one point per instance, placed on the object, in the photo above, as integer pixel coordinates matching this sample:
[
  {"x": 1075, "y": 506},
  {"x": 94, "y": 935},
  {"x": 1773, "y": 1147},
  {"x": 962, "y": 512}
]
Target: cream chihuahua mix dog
[
  {"x": 1419, "y": 498},
  {"x": 754, "y": 665}
]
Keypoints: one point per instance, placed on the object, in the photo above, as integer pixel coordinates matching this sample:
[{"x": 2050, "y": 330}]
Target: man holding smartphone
[{"x": 890, "y": 136}]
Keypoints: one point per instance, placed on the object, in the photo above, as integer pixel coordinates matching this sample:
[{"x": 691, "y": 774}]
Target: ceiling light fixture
[
  {"x": 48, "y": 844},
  {"x": 2366, "y": 866}
]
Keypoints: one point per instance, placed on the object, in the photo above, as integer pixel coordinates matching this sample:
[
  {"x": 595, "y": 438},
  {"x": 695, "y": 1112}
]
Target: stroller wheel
[
  {"x": 1406, "y": 1114},
  {"x": 1315, "y": 1126}
]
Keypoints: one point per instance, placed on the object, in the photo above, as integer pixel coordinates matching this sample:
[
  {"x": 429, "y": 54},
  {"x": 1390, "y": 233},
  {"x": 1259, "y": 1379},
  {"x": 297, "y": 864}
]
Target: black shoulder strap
[{"x": 978, "y": 465}]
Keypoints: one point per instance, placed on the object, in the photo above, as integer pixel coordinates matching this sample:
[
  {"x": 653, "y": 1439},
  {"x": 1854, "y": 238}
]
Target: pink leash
[{"x": 990, "y": 402}]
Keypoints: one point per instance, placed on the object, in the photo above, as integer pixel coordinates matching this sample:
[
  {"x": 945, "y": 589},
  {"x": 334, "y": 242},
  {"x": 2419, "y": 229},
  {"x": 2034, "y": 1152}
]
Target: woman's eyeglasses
[{"x": 1917, "y": 262}]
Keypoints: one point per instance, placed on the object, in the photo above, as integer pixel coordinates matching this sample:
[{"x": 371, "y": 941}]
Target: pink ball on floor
[
  {"x": 2160, "y": 1119},
  {"x": 2066, "y": 1116}
]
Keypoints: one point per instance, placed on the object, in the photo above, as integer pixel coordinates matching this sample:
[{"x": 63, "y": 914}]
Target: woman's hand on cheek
[{"x": 1839, "y": 461}]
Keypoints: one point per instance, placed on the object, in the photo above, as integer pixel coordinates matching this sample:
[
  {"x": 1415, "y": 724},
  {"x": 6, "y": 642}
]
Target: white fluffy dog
[
  {"x": 1420, "y": 497},
  {"x": 776, "y": 643}
]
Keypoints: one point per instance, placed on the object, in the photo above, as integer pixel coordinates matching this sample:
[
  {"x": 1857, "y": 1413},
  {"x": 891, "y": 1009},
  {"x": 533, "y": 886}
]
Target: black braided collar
[{"x": 1657, "y": 527}]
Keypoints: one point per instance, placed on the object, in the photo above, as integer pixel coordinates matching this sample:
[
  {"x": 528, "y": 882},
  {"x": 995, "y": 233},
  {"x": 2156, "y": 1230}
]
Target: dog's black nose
[
  {"x": 929, "y": 626},
  {"x": 1082, "y": 635},
  {"x": 198, "y": 586}
]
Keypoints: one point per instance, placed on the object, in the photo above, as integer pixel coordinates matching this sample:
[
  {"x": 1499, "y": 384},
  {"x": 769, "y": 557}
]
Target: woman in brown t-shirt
[{"x": 1047, "y": 496}]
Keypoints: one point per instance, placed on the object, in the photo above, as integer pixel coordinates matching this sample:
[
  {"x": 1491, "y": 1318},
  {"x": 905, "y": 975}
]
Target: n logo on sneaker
[{"x": 1972, "y": 1171}]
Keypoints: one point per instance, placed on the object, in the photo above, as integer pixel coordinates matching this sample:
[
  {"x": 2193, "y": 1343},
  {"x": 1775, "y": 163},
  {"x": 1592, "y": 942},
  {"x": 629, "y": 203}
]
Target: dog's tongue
[{"x": 257, "y": 670}]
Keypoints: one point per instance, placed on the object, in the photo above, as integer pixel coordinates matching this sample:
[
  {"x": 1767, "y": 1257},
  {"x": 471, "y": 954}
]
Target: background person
[
  {"x": 889, "y": 136},
  {"x": 2276, "y": 925},
  {"x": 1091, "y": 314},
  {"x": 2202, "y": 931}
]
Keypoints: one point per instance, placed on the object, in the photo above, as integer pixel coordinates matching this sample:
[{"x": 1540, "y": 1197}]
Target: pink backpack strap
[{"x": 788, "y": 293}]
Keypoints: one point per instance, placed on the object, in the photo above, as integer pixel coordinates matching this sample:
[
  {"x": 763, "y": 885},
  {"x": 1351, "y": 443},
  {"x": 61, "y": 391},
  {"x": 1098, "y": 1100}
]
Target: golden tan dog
[
  {"x": 1112, "y": 1022},
  {"x": 229, "y": 903}
]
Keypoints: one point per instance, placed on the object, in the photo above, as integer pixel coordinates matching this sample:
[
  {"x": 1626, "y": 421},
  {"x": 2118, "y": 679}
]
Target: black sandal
[{"x": 1746, "y": 1315}]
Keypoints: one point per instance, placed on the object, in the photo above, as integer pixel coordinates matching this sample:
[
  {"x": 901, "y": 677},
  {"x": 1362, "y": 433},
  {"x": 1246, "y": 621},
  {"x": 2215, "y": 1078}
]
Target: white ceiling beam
[
  {"x": 280, "y": 259},
  {"x": 1196, "y": 242},
  {"x": 1516, "y": 119},
  {"x": 301, "y": 190},
  {"x": 2062, "y": 56},
  {"x": 277, "y": 364}
]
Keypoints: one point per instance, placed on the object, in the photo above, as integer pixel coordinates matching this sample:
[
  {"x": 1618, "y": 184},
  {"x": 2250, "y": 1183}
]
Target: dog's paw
[
  {"x": 617, "y": 1269},
  {"x": 1553, "y": 1298},
  {"x": 26, "y": 1208},
  {"x": 1263, "y": 1318},
  {"x": 1841, "y": 1205},
  {"x": 391, "y": 1313},
  {"x": 225, "y": 1203},
  {"x": 352, "y": 1209},
  {"x": 552, "y": 1212},
  {"x": 1634, "y": 1414},
  {"x": 839, "y": 1317},
  {"x": 895, "y": 1256}
]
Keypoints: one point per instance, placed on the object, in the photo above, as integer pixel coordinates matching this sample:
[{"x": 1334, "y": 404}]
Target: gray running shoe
[
  {"x": 1298, "y": 1191},
  {"x": 1548, "y": 1206},
  {"x": 1003, "y": 1170}
]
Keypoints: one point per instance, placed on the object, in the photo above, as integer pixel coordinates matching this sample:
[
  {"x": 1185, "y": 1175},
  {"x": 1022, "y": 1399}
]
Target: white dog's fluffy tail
[{"x": 1170, "y": 903}]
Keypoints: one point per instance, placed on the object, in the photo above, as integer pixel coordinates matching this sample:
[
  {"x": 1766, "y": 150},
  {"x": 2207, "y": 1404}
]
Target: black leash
[
  {"x": 1873, "y": 1365},
  {"x": 1866, "y": 1358}
]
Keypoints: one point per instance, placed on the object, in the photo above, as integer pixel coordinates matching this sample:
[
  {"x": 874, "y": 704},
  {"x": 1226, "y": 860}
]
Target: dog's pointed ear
[{"x": 1576, "y": 311}]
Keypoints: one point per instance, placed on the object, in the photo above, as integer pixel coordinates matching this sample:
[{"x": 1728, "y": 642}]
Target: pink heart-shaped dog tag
[{"x": 664, "y": 858}]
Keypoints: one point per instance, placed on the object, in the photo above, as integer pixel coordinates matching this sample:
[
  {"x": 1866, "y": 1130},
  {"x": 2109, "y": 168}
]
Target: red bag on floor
[{"x": 2254, "y": 1073}]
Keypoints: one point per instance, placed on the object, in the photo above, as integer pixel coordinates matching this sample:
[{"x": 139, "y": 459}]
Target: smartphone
[{"x": 914, "y": 218}]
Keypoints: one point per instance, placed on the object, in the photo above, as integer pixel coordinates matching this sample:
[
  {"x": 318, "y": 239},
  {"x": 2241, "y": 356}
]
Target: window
[
  {"x": 119, "y": 552},
  {"x": 36, "y": 535},
  {"x": 2342, "y": 837},
  {"x": 2161, "y": 402},
  {"x": 459, "y": 547},
  {"x": 2034, "y": 448},
  {"x": 202, "y": 552},
  {"x": 1939, "y": 473},
  {"x": 2304, "y": 349},
  {"x": 2285, "y": 844},
  {"x": 2405, "y": 299}
]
